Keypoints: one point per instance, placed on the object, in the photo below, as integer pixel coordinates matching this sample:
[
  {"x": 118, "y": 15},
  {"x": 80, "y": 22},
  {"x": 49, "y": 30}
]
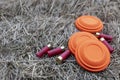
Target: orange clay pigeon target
[
  {"x": 88, "y": 23},
  {"x": 93, "y": 55}
]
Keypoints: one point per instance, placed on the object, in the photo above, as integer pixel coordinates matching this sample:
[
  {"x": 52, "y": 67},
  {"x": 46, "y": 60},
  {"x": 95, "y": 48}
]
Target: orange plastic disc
[
  {"x": 77, "y": 38},
  {"x": 89, "y": 23},
  {"x": 93, "y": 55}
]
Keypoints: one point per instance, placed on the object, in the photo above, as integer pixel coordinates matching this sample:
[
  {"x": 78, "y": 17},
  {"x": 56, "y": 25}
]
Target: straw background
[{"x": 28, "y": 25}]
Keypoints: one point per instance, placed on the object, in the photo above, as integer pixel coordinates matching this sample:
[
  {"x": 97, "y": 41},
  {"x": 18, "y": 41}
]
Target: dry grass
[{"x": 28, "y": 25}]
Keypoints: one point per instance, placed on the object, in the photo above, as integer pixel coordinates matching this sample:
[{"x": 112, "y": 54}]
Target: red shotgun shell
[
  {"x": 107, "y": 44},
  {"x": 63, "y": 56},
  {"x": 56, "y": 51},
  {"x": 107, "y": 37},
  {"x": 44, "y": 50}
]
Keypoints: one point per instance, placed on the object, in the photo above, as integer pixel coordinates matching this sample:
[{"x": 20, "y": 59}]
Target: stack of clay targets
[
  {"x": 89, "y": 51},
  {"x": 90, "y": 24}
]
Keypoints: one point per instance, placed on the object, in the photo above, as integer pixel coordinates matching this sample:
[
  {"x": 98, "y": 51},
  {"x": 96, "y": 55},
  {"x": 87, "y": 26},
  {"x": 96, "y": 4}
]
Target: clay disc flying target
[{"x": 88, "y": 23}]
